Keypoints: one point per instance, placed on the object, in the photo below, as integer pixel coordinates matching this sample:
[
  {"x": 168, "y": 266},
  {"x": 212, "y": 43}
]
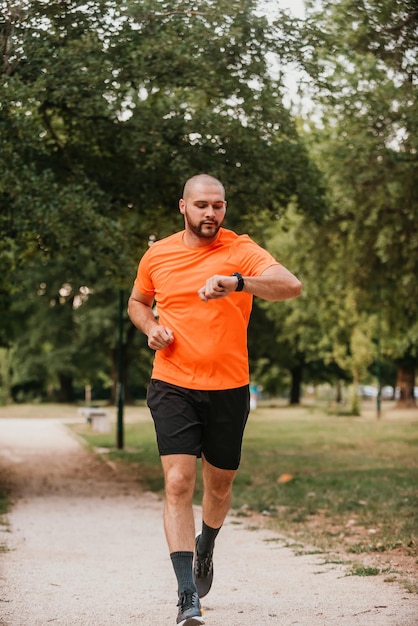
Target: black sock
[
  {"x": 182, "y": 564},
  {"x": 207, "y": 539}
]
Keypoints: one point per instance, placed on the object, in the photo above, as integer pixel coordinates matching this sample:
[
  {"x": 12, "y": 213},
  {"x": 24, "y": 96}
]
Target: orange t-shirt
[{"x": 209, "y": 350}]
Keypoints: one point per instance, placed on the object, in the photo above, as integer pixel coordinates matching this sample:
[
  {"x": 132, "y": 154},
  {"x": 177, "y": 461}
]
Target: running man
[{"x": 202, "y": 280}]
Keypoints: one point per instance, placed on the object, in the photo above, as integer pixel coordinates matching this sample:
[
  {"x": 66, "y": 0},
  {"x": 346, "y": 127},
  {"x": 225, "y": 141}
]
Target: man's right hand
[
  {"x": 142, "y": 316},
  {"x": 159, "y": 337}
]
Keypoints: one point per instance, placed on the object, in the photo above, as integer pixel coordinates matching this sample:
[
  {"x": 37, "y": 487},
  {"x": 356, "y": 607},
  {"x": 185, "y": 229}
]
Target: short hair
[{"x": 201, "y": 178}]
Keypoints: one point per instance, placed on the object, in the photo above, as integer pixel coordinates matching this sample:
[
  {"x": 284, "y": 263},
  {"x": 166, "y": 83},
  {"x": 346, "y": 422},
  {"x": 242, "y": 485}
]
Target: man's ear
[{"x": 182, "y": 205}]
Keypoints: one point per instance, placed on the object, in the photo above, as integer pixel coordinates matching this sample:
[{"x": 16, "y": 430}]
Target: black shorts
[{"x": 195, "y": 422}]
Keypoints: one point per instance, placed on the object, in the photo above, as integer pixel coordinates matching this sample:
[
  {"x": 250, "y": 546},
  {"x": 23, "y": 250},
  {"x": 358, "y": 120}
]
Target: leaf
[{"x": 284, "y": 478}]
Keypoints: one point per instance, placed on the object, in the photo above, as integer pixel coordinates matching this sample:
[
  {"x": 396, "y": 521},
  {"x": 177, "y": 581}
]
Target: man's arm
[
  {"x": 142, "y": 316},
  {"x": 275, "y": 283}
]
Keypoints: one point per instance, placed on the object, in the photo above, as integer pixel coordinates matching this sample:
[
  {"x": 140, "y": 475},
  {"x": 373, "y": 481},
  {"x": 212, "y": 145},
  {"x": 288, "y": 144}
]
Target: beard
[{"x": 205, "y": 229}]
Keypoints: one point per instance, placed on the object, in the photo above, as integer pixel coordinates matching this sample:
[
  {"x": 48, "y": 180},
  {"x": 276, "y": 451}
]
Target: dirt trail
[{"x": 85, "y": 546}]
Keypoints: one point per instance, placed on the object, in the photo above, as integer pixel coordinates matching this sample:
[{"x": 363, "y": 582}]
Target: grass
[
  {"x": 341, "y": 474},
  {"x": 322, "y": 479},
  {"x": 361, "y": 570},
  {"x": 4, "y": 504},
  {"x": 4, "y": 508}
]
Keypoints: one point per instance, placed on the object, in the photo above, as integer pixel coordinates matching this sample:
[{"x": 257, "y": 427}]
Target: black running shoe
[
  {"x": 189, "y": 609},
  {"x": 202, "y": 572}
]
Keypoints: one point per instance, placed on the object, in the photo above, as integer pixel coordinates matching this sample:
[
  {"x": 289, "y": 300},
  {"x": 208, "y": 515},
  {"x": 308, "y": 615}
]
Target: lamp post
[
  {"x": 379, "y": 381},
  {"x": 379, "y": 359},
  {"x": 120, "y": 387}
]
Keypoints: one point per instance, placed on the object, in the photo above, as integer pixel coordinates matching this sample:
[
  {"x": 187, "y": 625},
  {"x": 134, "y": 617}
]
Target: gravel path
[{"x": 85, "y": 546}]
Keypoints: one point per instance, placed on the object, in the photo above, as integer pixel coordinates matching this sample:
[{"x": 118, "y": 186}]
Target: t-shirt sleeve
[
  {"x": 253, "y": 259},
  {"x": 143, "y": 282}
]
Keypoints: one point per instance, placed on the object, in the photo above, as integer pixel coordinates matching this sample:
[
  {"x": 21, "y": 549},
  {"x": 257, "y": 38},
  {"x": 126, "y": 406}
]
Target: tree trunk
[
  {"x": 338, "y": 393},
  {"x": 115, "y": 375},
  {"x": 296, "y": 373},
  {"x": 354, "y": 399},
  {"x": 405, "y": 383},
  {"x": 66, "y": 391}
]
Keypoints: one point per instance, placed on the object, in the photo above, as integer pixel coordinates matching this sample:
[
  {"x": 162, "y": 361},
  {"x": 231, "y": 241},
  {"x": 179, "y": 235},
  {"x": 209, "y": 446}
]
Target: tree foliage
[
  {"x": 362, "y": 59},
  {"x": 106, "y": 109}
]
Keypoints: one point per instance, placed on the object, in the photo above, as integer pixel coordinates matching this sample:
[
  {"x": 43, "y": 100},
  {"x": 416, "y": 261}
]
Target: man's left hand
[{"x": 217, "y": 287}]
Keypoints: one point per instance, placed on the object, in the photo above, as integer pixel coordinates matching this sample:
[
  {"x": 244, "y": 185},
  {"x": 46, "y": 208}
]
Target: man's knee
[
  {"x": 219, "y": 485},
  {"x": 179, "y": 481},
  {"x": 223, "y": 488}
]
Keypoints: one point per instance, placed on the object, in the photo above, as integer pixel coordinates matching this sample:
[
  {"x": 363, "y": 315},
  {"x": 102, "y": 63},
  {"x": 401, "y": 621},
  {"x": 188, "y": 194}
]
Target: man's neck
[{"x": 194, "y": 241}]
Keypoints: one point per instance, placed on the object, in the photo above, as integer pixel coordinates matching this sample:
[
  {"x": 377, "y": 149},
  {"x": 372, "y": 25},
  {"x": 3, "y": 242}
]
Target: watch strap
[{"x": 240, "y": 285}]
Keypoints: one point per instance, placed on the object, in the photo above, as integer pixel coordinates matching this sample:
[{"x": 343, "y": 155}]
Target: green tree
[
  {"x": 362, "y": 61},
  {"x": 307, "y": 336},
  {"x": 106, "y": 109}
]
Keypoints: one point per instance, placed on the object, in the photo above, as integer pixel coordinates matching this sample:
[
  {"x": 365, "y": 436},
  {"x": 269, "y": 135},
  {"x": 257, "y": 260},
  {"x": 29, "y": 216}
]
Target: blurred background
[{"x": 308, "y": 114}]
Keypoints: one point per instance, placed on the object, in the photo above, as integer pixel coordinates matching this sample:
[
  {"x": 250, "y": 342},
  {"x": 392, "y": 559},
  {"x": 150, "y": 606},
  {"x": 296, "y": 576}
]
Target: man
[{"x": 202, "y": 280}]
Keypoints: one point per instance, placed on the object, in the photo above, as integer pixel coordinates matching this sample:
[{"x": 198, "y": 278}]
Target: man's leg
[
  {"x": 180, "y": 479},
  {"x": 215, "y": 506},
  {"x": 216, "y": 494}
]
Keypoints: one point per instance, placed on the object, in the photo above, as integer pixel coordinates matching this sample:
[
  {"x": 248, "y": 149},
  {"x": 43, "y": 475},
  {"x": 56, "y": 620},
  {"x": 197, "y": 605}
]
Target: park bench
[{"x": 97, "y": 417}]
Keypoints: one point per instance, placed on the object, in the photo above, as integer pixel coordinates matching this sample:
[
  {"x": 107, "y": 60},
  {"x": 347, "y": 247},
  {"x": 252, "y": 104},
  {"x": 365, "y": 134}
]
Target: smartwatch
[{"x": 240, "y": 285}]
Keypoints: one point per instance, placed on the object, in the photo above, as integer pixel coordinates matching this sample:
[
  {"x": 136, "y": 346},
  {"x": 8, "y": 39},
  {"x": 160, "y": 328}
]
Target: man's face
[{"x": 204, "y": 210}]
